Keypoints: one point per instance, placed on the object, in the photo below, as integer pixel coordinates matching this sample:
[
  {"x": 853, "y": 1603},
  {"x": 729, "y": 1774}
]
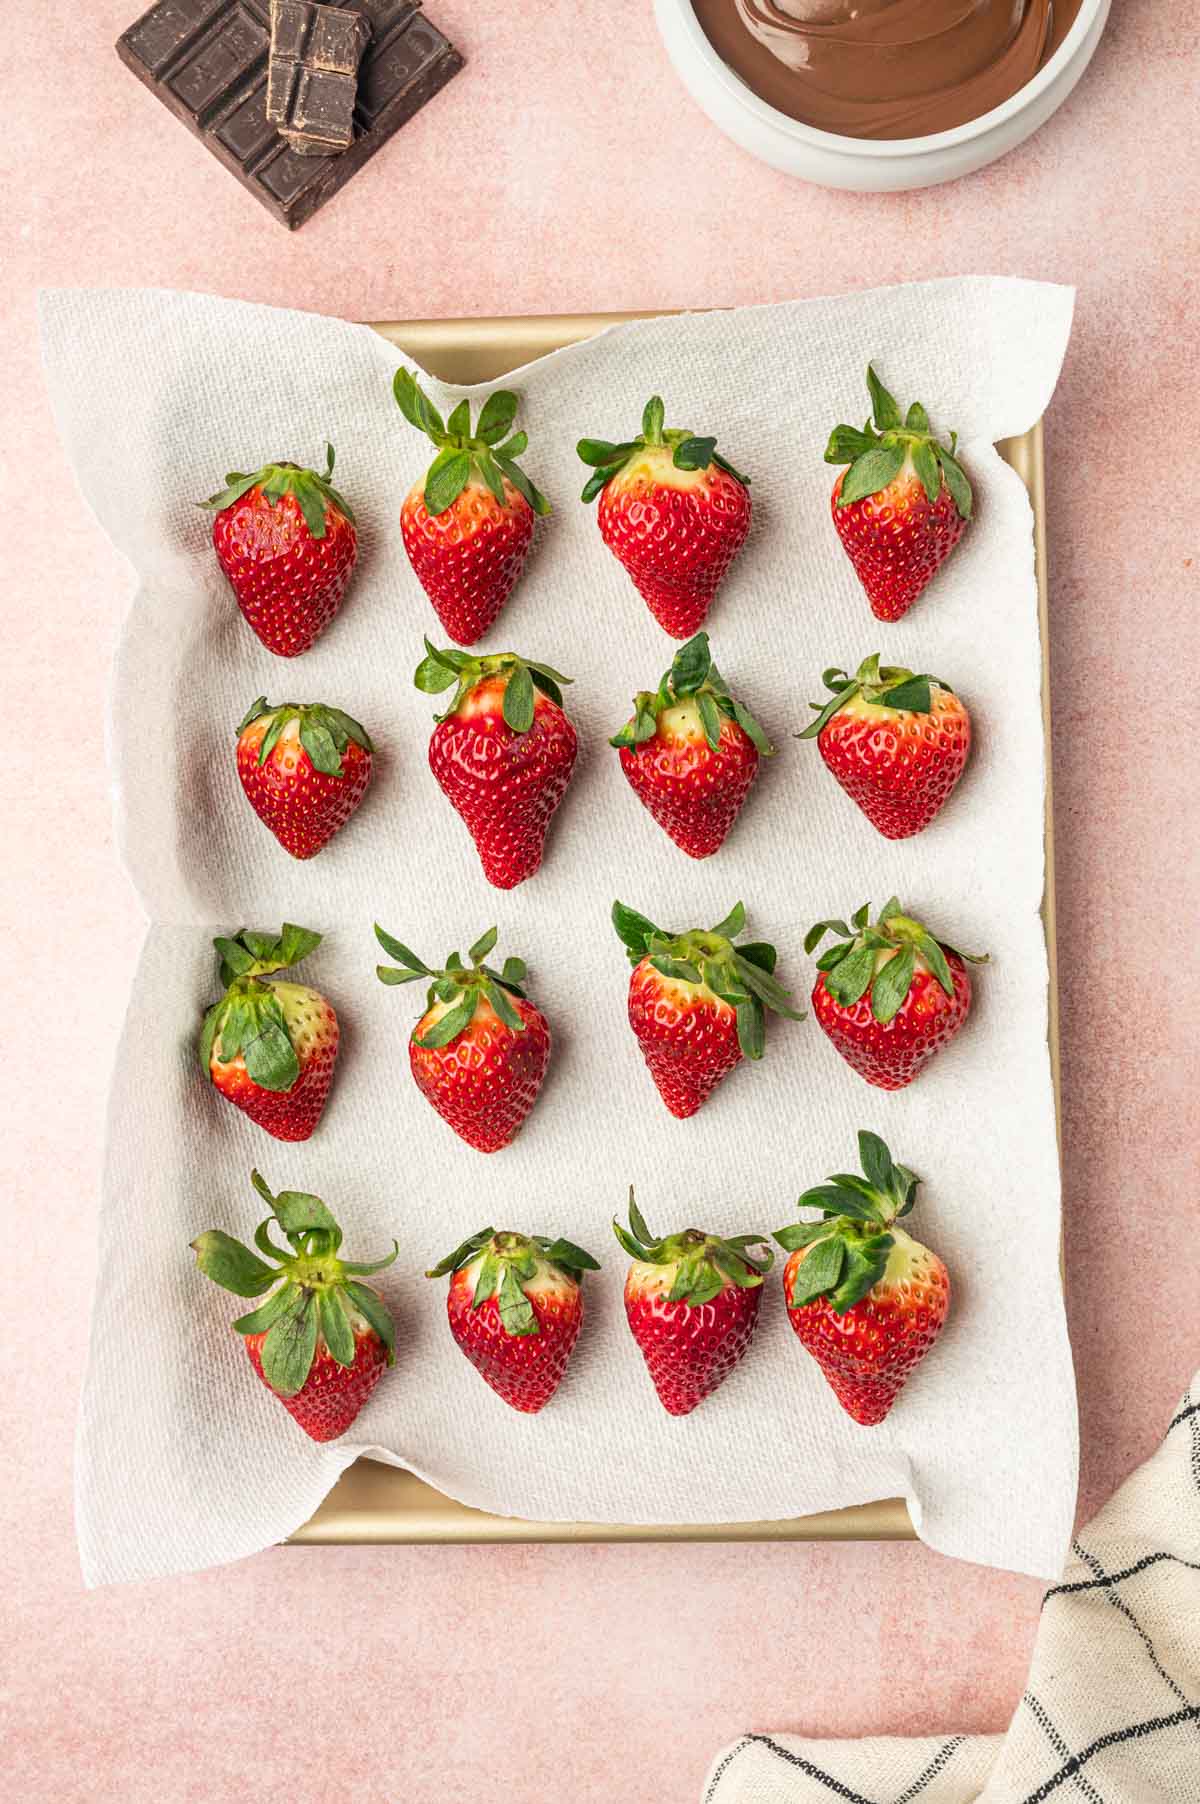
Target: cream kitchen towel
[
  {"x": 1111, "y": 1714},
  {"x": 184, "y": 1459}
]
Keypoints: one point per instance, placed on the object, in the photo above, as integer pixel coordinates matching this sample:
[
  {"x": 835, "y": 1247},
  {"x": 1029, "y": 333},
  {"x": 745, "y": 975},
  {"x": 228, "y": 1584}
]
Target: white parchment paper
[{"x": 184, "y": 1459}]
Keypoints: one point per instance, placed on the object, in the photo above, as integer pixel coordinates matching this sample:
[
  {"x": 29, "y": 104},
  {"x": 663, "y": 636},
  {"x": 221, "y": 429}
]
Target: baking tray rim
[{"x": 374, "y": 1503}]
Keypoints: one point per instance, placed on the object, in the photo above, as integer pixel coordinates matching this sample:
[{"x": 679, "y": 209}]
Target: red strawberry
[
  {"x": 897, "y": 743},
  {"x": 304, "y": 768},
  {"x": 468, "y": 523},
  {"x": 889, "y": 996},
  {"x": 321, "y": 1339},
  {"x": 690, "y": 752},
  {"x": 902, "y": 506},
  {"x": 270, "y": 1047},
  {"x": 673, "y": 511},
  {"x": 516, "y": 1307},
  {"x": 479, "y": 1052},
  {"x": 866, "y": 1299},
  {"x": 287, "y": 542},
  {"x": 503, "y": 753},
  {"x": 692, "y": 1304},
  {"x": 697, "y": 1003}
]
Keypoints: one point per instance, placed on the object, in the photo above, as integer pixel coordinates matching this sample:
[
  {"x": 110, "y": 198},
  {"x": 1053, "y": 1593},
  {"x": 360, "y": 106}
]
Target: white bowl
[{"x": 870, "y": 165}]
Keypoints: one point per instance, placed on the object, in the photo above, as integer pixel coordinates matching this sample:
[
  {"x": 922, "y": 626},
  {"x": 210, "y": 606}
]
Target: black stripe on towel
[
  {"x": 1116, "y": 1578},
  {"x": 1134, "y": 1732},
  {"x": 814, "y": 1772},
  {"x": 1040, "y": 1715},
  {"x": 940, "y": 1760}
]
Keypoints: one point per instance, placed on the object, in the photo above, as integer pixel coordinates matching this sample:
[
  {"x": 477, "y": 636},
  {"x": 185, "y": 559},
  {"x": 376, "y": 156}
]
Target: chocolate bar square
[
  {"x": 312, "y": 74},
  {"x": 206, "y": 60}
]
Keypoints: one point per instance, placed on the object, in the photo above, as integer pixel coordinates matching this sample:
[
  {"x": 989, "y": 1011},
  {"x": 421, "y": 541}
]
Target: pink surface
[{"x": 565, "y": 170}]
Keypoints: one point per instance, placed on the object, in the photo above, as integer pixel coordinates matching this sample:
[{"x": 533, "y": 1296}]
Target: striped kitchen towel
[{"x": 1111, "y": 1714}]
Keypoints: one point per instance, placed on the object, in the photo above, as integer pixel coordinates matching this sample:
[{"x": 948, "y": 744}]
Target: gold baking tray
[{"x": 379, "y": 1504}]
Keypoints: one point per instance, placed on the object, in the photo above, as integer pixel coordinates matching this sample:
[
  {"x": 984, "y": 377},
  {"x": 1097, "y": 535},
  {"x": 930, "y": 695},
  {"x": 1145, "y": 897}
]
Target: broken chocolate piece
[
  {"x": 206, "y": 60},
  {"x": 312, "y": 74}
]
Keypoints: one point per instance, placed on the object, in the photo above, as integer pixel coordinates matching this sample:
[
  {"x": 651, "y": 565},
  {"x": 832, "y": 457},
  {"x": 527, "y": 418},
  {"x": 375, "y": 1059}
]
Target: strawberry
[
  {"x": 270, "y": 1047},
  {"x": 690, "y": 753},
  {"x": 889, "y": 996},
  {"x": 902, "y": 506},
  {"x": 697, "y": 1003},
  {"x": 503, "y": 753},
  {"x": 304, "y": 768},
  {"x": 479, "y": 1052},
  {"x": 516, "y": 1307},
  {"x": 691, "y": 1301},
  {"x": 865, "y": 1298},
  {"x": 321, "y": 1339},
  {"x": 287, "y": 542},
  {"x": 468, "y": 523},
  {"x": 897, "y": 743},
  {"x": 673, "y": 511}
]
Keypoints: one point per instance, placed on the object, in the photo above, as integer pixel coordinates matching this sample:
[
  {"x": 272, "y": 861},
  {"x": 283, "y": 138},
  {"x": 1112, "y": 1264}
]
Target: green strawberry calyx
[
  {"x": 703, "y": 1264},
  {"x": 507, "y": 1263},
  {"x": 249, "y": 1018},
  {"x": 314, "y": 1295},
  {"x": 440, "y": 669},
  {"x": 688, "y": 452},
  {"x": 313, "y": 490},
  {"x": 881, "y": 958},
  {"x": 692, "y": 677},
  {"x": 741, "y": 976},
  {"x": 324, "y": 732},
  {"x": 850, "y": 1244},
  {"x": 462, "y": 453},
  {"x": 876, "y": 455},
  {"x": 884, "y": 686},
  {"x": 457, "y": 985}
]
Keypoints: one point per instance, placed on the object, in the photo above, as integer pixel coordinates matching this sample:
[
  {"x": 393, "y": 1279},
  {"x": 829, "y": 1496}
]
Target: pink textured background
[{"x": 566, "y": 171}]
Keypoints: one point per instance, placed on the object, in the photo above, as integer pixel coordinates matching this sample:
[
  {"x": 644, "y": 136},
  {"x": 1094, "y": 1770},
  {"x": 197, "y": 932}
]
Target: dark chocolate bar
[
  {"x": 207, "y": 61},
  {"x": 312, "y": 74}
]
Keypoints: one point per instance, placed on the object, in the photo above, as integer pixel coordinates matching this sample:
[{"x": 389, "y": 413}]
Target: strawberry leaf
[
  {"x": 231, "y": 1265},
  {"x": 371, "y": 1306},
  {"x": 497, "y": 415},
  {"x": 928, "y": 473},
  {"x": 935, "y": 958},
  {"x": 710, "y": 720},
  {"x": 885, "y": 410},
  {"x": 956, "y": 481},
  {"x": 335, "y": 1327},
  {"x": 399, "y": 951},
  {"x": 516, "y": 1311},
  {"x": 870, "y": 473},
  {"x": 454, "y": 1022},
  {"x": 633, "y": 930},
  {"x": 287, "y": 1352},
  {"x": 866, "y": 1262},
  {"x": 913, "y": 696},
  {"x": 518, "y": 699},
  {"x": 690, "y": 665},
  {"x": 876, "y": 1160},
  {"x": 733, "y": 923},
  {"x": 850, "y": 978},
  {"x": 819, "y": 1271},
  {"x": 462, "y": 1254},
  {"x": 751, "y": 1028},
  {"x": 447, "y": 477},
  {"x": 892, "y": 985}
]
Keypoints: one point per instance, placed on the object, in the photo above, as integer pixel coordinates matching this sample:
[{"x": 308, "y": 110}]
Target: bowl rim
[{"x": 881, "y": 148}]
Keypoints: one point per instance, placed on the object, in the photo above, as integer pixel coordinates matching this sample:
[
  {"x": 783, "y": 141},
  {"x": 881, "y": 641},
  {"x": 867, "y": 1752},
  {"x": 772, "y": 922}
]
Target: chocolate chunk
[
  {"x": 206, "y": 60},
  {"x": 312, "y": 73}
]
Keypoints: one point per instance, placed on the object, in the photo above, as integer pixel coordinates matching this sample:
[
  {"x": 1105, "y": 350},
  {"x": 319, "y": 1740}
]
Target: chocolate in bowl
[{"x": 885, "y": 68}]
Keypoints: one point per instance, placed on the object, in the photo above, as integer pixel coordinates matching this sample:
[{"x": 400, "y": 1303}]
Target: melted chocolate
[{"x": 885, "y": 68}]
